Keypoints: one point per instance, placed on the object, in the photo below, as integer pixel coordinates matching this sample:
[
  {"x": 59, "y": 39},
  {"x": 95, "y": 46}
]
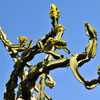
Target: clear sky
[{"x": 31, "y": 18}]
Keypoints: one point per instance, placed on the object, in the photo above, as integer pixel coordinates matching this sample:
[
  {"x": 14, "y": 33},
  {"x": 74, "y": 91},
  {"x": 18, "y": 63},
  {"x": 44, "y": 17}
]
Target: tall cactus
[{"x": 47, "y": 44}]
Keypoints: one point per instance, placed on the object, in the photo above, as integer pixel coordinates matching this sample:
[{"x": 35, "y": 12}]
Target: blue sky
[{"x": 31, "y": 18}]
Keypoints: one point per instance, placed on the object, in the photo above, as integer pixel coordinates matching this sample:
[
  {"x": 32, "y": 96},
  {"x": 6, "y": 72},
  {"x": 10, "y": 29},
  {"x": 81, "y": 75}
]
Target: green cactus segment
[
  {"x": 91, "y": 48},
  {"x": 48, "y": 45},
  {"x": 13, "y": 52},
  {"x": 74, "y": 68},
  {"x": 67, "y": 50},
  {"x": 37, "y": 89},
  {"x": 59, "y": 44},
  {"x": 90, "y": 31},
  {"x": 50, "y": 84},
  {"x": 22, "y": 40},
  {"x": 29, "y": 44},
  {"x": 94, "y": 48},
  {"x": 40, "y": 95},
  {"x": 18, "y": 47},
  {"x": 54, "y": 12},
  {"x": 98, "y": 70},
  {"x": 54, "y": 15}
]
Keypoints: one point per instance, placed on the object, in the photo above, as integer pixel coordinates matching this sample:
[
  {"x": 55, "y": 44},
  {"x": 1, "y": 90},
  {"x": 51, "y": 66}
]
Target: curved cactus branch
[
  {"x": 78, "y": 60},
  {"x": 74, "y": 67}
]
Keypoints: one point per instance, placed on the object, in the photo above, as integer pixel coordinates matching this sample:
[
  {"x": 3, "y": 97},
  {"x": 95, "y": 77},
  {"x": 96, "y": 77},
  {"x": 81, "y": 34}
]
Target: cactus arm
[
  {"x": 18, "y": 47},
  {"x": 37, "y": 89},
  {"x": 40, "y": 95},
  {"x": 91, "y": 48},
  {"x": 57, "y": 43},
  {"x": 54, "y": 15},
  {"x": 74, "y": 68},
  {"x": 51, "y": 83},
  {"x": 13, "y": 53},
  {"x": 90, "y": 31},
  {"x": 78, "y": 60}
]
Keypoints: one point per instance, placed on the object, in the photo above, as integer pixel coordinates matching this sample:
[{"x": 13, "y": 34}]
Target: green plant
[{"x": 47, "y": 44}]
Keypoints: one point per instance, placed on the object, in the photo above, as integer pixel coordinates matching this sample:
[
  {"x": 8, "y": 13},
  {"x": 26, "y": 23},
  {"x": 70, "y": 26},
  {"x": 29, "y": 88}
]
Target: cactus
[{"x": 47, "y": 44}]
